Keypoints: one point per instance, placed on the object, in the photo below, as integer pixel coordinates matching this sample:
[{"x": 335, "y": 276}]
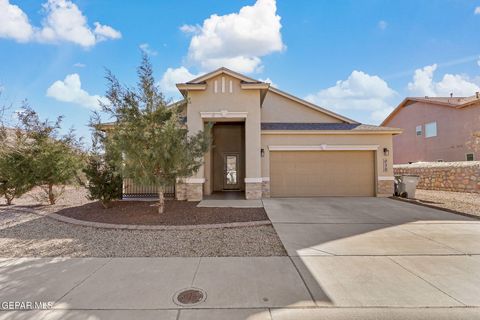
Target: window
[
  {"x": 418, "y": 130},
  {"x": 469, "y": 157},
  {"x": 430, "y": 130}
]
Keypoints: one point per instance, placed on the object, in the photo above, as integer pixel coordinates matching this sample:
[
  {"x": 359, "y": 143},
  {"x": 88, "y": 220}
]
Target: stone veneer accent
[
  {"x": 181, "y": 191},
  {"x": 385, "y": 188},
  {"x": 194, "y": 191},
  {"x": 253, "y": 190},
  {"x": 265, "y": 189},
  {"x": 461, "y": 176}
]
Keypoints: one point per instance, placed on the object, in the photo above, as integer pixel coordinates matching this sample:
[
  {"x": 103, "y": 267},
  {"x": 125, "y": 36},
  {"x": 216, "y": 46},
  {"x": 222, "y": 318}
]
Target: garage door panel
[{"x": 322, "y": 173}]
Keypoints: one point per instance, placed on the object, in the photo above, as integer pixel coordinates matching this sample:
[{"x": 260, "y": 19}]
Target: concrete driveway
[
  {"x": 376, "y": 252},
  {"x": 361, "y": 258}
]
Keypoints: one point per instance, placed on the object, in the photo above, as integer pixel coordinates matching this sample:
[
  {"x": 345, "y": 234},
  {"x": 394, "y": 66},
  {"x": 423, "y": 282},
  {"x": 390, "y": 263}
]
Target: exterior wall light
[
  {"x": 386, "y": 152},
  {"x": 262, "y": 152}
]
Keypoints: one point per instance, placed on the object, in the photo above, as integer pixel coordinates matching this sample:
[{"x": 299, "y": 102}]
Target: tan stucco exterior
[
  {"x": 224, "y": 96},
  {"x": 277, "y": 108}
]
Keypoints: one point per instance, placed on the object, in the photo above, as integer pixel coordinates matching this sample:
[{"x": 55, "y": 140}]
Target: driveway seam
[
  {"x": 304, "y": 282},
  {"x": 418, "y": 276},
  {"x": 81, "y": 282},
  {"x": 196, "y": 270},
  {"x": 425, "y": 237},
  {"x": 310, "y": 248}
]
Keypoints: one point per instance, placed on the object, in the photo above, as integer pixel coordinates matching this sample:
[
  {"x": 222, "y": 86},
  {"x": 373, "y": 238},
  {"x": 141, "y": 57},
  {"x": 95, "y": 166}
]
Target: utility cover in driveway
[{"x": 189, "y": 297}]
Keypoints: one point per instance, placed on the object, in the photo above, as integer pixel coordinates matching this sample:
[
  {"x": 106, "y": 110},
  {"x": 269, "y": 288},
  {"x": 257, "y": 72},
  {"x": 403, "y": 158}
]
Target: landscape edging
[{"x": 104, "y": 225}]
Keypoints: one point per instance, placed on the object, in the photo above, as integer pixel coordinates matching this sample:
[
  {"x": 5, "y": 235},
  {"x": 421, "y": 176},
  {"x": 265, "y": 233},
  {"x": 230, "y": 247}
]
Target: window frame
[
  {"x": 470, "y": 153},
  {"x": 426, "y": 131},
  {"x": 418, "y": 132}
]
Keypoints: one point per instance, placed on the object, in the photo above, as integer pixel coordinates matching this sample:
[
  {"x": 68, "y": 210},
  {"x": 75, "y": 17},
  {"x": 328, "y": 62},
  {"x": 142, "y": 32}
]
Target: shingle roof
[
  {"x": 453, "y": 102},
  {"x": 323, "y": 126}
]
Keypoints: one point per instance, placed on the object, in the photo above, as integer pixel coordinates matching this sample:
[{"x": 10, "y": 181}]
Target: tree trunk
[
  {"x": 161, "y": 200},
  {"x": 9, "y": 200},
  {"x": 51, "y": 196},
  {"x": 106, "y": 203}
]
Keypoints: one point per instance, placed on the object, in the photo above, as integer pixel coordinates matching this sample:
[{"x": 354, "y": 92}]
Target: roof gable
[
  {"x": 453, "y": 102},
  {"x": 200, "y": 82}
]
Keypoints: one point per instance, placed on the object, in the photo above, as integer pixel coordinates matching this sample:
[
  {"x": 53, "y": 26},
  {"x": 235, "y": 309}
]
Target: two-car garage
[{"x": 322, "y": 173}]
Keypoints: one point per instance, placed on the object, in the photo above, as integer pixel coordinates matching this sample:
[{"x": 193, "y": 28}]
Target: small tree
[
  {"x": 15, "y": 172},
  {"x": 15, "y": 164},
  {"x": 104, "y": 179},
  {"x": 55, "y": 159},
  {"x": 156, "y": 146}
]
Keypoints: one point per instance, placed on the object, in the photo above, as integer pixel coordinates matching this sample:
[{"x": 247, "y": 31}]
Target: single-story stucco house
[{"x": 269, "y": 143}]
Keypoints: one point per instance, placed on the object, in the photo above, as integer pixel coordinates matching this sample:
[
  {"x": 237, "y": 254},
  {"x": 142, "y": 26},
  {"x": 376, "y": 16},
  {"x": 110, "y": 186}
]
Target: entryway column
[{"x": 253, "y": 177}]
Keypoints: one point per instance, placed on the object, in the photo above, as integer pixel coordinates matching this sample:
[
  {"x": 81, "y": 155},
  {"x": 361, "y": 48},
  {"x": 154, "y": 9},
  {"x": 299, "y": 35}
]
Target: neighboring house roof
[
  {"x": 201, "y": 81},
  {"x": 354, "y": 127},
  {"x": 453, "y": 102}
]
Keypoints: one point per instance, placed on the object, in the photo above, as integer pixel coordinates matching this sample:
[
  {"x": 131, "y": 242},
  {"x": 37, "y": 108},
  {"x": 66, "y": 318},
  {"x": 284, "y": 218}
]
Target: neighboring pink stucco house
[{"x": 436, "y": 129}]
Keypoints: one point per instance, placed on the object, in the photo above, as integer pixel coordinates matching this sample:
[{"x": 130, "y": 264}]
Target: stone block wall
[
  {"x": 385, "y": 188},
  {"x": 194, "y": 191},
  {"x": 266, "y": 189},
  {"x": 461, "y": 176},
  {"x": 253, "y": 190},
  {"x": 181, "y": 191}
]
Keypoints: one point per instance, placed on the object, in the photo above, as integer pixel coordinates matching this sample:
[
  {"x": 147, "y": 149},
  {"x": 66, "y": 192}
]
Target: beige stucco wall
[
  {"x": 383, "y": 140},
  {"x": 277, "y": 108},
  {"x": 240, "y": 100}
]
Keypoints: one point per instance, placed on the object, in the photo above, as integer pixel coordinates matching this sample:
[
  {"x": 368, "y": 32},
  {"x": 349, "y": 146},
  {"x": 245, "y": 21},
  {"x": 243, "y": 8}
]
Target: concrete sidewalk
[{"x": 245, "y": 288}]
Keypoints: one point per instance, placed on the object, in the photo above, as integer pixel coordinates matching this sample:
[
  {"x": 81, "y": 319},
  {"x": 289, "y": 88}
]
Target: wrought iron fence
[{"x": 134, "y": 190}]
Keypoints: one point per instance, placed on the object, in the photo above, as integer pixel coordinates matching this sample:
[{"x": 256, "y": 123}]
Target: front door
[{"x": 231, "y": 171}]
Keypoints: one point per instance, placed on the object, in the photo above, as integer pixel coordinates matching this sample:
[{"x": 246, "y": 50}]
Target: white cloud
[
  {"x": 477, "y": 10},
  {"x": 79, "y": 65},
  {"x": 173, "y": 76},
  {"x": 70, "y": 90},
  {"x": 190, "y": 29},
  {"x": 145, "y": 47},
  {"x": 268, "y": 80},
  {"x": 236, "y": 40},
  {"x": 382, "y": 24},
  {"x": 424, "y": 85},
  {"x": 104, "y": 32},
  {"x": 359, "y": 92},
  {"x": 63, "y": 21},
  {"x": 14, "y": 22}
]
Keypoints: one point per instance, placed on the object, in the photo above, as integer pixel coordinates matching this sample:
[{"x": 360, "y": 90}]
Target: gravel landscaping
[
  {"x": 462, "y": 202},
  {"x": 30, "y": 235}
]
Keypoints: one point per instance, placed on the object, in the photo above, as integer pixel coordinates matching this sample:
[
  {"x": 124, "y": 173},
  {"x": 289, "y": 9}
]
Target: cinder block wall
[{"x": 447, "y": 176}]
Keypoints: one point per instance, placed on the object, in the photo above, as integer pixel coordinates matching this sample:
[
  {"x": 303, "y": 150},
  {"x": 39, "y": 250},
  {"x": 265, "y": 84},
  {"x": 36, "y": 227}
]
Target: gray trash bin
[{"x": 406, "y": 185}]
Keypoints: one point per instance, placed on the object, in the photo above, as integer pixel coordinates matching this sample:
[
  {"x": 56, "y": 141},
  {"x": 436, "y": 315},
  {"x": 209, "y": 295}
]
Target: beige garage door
[{"x": 322, "y": 173}]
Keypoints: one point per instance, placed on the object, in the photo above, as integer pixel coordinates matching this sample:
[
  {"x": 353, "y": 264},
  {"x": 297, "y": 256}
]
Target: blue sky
[{"x": 358, "y": 58}]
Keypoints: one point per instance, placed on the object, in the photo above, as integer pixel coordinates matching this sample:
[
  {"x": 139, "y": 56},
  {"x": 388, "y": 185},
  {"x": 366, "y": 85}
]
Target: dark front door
[{"x": 231, "y": 171}]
